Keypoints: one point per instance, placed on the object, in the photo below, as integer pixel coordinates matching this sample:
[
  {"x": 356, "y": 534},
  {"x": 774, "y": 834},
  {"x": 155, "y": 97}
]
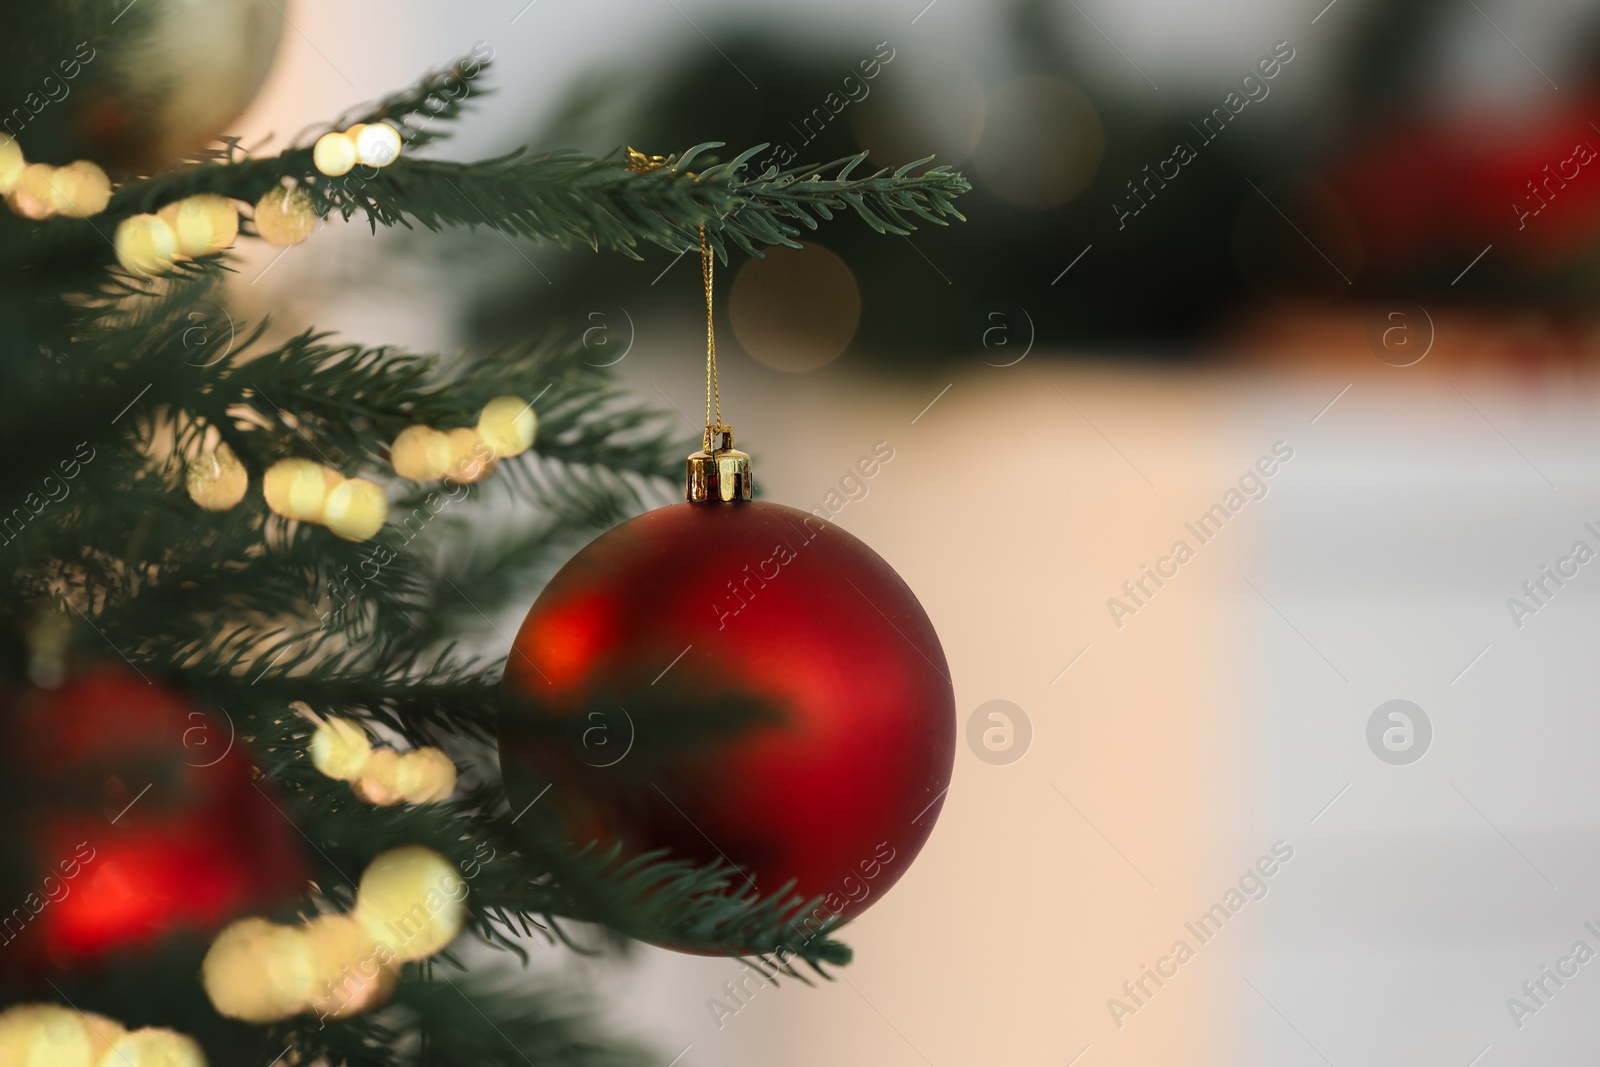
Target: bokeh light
[
  {"x": 932, "y": 104},
  {"x": 795, "y": 310},
  {"x": 1041, "y": 144}
]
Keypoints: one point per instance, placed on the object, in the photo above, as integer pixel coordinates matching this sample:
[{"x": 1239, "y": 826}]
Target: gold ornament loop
[
  {"x": 640, "y": 163},
  {"x": 718, "y": 472}
]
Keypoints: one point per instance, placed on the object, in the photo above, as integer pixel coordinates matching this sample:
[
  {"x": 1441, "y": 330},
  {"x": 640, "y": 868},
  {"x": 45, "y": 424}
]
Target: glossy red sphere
[
  {"x": 141, "y": 819},
  {"x": 689, "y": 607}
]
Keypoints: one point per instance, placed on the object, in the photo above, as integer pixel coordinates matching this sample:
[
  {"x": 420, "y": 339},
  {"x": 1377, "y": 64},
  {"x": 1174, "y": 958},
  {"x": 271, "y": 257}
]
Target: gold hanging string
[
  {"x": 718, "y": 435},
  {"x": 713, "y": 390}
]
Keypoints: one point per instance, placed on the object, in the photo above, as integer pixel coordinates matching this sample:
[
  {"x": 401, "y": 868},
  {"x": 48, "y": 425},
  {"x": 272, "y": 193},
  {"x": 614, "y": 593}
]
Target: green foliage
[
  {"x": 467, "y": 1022},
  {"x": 563, "y": 197},
  {"x": 572, "y": 199},
  {"x": 122, "y": 380}
]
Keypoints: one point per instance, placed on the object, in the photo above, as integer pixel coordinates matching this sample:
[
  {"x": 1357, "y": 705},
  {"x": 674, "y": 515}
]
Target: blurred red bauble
[
  {"x": 141, "y": 821},
  {"x": 1426, "y": 189},
  {"x": 136, "y": 93},
  {"x": 695, "y": 604}
]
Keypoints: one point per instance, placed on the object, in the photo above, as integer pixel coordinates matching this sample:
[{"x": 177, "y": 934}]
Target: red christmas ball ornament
[
  {"x": 143, "y": 822},
  {"x": 721, "y": 599}
]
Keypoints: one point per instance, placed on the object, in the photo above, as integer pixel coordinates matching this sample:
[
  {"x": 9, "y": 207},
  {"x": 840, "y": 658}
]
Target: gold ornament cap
[{"x": 718, "y": 472}]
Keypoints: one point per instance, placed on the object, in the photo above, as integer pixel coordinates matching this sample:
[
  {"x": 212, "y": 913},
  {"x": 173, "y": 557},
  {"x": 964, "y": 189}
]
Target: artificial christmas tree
[{"x": 258, "y": 537}]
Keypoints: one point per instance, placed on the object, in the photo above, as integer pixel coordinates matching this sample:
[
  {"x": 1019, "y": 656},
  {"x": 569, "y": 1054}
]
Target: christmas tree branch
[
  {"x": 594, "y": 460},
  {"x": 523, "y": 879},
  {"x": 602, "y": 203},
  {"x": 562, "y": 197},
  {"x": 422, "y": 111},
  {"x": 520, "y": 886},
  {"x": 573, "y": 199},
  {"x": 478, "y": 578},
  {"x": 466, "y": 1021}
]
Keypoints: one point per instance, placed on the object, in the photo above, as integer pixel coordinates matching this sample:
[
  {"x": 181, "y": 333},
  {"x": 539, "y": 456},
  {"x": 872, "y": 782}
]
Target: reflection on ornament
[
  {"x": 377, "y": 144},
  {"x": 216, "y": 480},
  {"x": 421, "y": 454},
  {"x": 258, "y": 971},
  {"x": 340, "y": 749},
  {"x": 285, "y": 216},
  {"x": 202, "y": 224},
  {"x": 145, "y": 245},
  {"x": 355, "y": 509},
  {"x": 509, "y": 425},
  {"x": 334, "y": 154},
  {"x": 412, "y": 901}
]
